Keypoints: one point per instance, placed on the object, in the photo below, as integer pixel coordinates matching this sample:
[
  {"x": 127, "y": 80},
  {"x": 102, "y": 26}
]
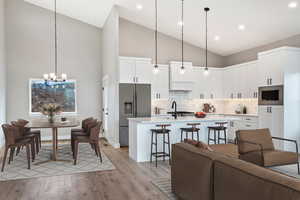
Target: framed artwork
[{"x": 62, "y": 93}]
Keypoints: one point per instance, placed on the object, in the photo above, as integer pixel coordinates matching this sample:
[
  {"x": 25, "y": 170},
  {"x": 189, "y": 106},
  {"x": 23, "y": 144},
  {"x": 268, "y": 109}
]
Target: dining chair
[
  {"x": 92, "y": 139},
  {"x": 30, "y": 131},
  {"x": 23, "y": 133},
  {"x": 83, "y": 125},
  {"x": 86, "y": 131},
  {"x": 11, "y": 142}
]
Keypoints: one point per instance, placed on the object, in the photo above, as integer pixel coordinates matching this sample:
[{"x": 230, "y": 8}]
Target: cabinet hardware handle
[
  {"x": 137, "y": 79},
  {"x": 271, "y": 80}
]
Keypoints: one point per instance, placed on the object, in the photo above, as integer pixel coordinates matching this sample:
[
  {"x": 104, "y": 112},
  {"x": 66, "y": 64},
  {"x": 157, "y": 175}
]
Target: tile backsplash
[{"x": 223, "y": 106}]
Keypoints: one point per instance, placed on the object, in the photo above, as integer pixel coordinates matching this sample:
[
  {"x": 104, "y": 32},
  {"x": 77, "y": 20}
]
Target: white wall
[
  {"x": 30, "y": 54},
  {"x": 2, "y": 73},
  {"x": 292, "y": 98},
  {"x": 110, "y": 46}
]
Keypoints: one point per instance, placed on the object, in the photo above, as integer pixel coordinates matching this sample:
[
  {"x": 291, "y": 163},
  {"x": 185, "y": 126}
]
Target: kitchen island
[{"x": 140, "y": 134}]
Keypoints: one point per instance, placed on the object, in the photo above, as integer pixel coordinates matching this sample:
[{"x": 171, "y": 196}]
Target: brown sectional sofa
[{"x": 203, "y": 175}]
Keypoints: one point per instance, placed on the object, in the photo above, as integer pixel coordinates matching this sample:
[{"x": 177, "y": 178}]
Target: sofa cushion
[
  {"x": 227, "y": 149},
  {"x": 235, "y": 179},
  {"x": 271, "y": 158},
  {"x": 198, "y": 144},
  {"x": 258, "y": 136}
]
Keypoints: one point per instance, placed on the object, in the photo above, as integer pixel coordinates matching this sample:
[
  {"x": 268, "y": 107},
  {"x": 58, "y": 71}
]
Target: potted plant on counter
[{"x": 50, "y": 110}]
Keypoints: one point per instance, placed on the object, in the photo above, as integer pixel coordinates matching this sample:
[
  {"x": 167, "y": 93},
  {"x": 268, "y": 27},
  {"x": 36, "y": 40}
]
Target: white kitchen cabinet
[
  {"x": 227, "y": 83},
  {"x": 207, "y": 86},
  {"x": 143, "y": 71},
  {"x": 199, "y": 90},
  {"x": 214, "y": 81},
  {"x": 240, "y": 81},
  {"x": 243, "y": 123},
  {"x": 176, "y": 76},
  {"x": 127, "y": 70},
  {"x": 252, "y": 84},
  {"x": 160, "y": 83},
  {"x": 272, "y": 117},
  {"x": 135, "y": 70},
  {"x": 271, "y": 67}
]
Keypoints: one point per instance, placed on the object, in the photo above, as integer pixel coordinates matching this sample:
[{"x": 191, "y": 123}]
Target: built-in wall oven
[{"x": 270, "y": 95}]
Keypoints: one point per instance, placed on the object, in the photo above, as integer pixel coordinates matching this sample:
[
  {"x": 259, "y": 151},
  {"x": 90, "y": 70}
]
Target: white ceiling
[{"x": 266, "y": 21}]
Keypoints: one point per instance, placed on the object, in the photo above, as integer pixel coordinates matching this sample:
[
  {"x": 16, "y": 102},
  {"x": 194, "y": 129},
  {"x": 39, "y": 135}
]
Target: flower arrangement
[{"x": 51, "y": 110}]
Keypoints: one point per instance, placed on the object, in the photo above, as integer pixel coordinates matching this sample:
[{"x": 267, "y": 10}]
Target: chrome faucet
[{"x": 174, "y": 106}]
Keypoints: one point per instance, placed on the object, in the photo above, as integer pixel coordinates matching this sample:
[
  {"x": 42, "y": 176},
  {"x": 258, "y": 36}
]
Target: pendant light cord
[
  {"x": 156, "y": 33},
  {"x": 206, "y": 39},
  {"x": 55, "y": 29},
  {"x": 182, "y": 48}
]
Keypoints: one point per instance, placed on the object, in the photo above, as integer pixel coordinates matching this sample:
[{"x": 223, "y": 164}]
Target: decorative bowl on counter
[{"x": 200, "y": 114}]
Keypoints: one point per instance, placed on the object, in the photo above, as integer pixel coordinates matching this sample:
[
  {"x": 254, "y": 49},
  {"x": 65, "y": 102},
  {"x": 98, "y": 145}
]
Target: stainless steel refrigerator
[{"x": 135, "y": 101}]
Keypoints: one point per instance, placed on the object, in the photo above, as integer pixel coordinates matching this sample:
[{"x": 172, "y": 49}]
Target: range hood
[
  {"x": 180, "y": 86},
  {"x": 181, "y": 82}
]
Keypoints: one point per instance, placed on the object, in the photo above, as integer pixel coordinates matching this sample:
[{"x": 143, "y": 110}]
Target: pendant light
[
  {"x": 156, "y": 70},
  {"x": 53, "y": 77},
  {"x": 206, "y": 42},
  {"x": 182, "y": 69}
]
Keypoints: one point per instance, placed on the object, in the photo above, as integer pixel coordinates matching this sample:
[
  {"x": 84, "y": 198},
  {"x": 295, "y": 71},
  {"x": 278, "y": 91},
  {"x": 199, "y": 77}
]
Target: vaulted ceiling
[{"x": 265, "y": 21}]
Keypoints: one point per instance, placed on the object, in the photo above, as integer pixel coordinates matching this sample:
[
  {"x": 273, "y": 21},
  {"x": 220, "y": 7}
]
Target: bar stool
[
  {"x": 192, "y": 130},
  {"x": 220, "y": 126},
  {"x": 165, "y": 133}
]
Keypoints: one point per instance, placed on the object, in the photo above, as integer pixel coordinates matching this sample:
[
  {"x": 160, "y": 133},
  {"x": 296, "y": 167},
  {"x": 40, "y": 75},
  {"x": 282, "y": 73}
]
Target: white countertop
[
  {"x": 234, "y": 114},
  {"x": 212, "y": 114},
  {"x": 208, "y": 118}
]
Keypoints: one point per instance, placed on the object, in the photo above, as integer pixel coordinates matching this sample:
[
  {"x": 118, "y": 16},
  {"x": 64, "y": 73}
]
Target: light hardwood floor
[{"x": 129, "y": 181}]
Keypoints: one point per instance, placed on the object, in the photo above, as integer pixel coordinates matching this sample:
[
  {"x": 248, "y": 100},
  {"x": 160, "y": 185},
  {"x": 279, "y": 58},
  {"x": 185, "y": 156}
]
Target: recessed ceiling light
[
  {"x": 217, "y": 38},
  {"x": 139, "y": 6},
  {"x": 293, "y": 4},
  {"x": 241, "y": 27},
  {"x": 180, "y": 23}
]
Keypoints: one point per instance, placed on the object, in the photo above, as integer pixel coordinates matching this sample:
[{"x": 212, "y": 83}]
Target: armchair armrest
[{"x": 288, "y": 140}]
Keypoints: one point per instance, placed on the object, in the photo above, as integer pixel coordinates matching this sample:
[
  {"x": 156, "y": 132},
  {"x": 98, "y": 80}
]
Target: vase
[{"x": 51, "y": 119}]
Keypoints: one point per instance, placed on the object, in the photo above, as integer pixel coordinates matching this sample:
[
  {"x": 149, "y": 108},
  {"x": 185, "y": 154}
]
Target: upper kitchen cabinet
[
  {"x": 214, "y": 80},
  {"x": 240, "y": 81},
  {"x": 200, "y": 86},
  {"x": 135, "y": 70},
  {"x": 271, "y": 67},
  {"x": 207, "y": 86},
  {"x": 160, "y": 83},
  {"x": 181, "y": 81},
  {"x": 251, "y": 77}
]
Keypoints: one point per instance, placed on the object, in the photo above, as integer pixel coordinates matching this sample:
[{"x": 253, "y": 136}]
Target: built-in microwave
[{"x": 270, "y": 95}]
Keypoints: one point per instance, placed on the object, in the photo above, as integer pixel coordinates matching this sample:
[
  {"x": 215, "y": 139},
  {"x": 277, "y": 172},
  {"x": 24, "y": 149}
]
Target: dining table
[{"x": 39, "y": 124}]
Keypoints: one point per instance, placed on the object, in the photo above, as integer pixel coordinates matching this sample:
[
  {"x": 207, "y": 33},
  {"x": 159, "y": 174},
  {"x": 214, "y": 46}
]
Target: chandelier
[{"x": 53, "y": 76}]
